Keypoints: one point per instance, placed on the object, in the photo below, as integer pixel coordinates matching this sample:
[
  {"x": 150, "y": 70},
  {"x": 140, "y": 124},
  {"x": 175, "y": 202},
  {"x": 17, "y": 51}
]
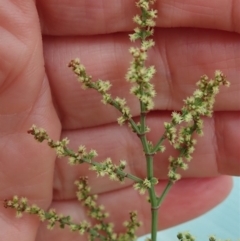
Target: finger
[
  {"x": 91, "y": 17},
  {"x": 187, "y": 199},
  {"x": 228, "y": 154},
  {"x": 24, "y": 99},
  {"x": 180, "y": 56}
]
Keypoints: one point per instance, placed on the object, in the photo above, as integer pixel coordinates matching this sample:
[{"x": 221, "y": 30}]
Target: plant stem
[
  {"x": 160, "y": 141},
  {"x": 155, "y": 201},
  {"x": 150, "y": 175},
  {"x": 154, "y": 224},
  {"x": 155, "y": 204},
  {"x": 164, "y": 193}
]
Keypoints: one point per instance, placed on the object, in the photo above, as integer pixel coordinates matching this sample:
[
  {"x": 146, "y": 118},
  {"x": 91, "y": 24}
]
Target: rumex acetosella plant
[{"x": 178, "y": 132}]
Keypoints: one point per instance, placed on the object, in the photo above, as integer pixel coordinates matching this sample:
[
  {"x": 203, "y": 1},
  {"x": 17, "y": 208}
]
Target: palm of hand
[{"x": 51, "y": 98}]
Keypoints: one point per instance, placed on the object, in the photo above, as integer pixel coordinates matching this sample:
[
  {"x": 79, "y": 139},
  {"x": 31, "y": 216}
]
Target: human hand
[{"x": 96, "y": 32}]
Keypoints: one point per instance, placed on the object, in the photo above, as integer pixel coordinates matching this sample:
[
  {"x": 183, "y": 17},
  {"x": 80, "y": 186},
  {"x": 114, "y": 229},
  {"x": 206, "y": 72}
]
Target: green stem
[
  {"x": 130, "y": 176},
  {"x": 150, "y": 175},
  {"x": 155, "y": 204},
  {"x": 134, "y": 125},
  {"x": 154, "y": 227},
  {"x": 164, "y": 193},
  {"x": 160, "y": 141}
]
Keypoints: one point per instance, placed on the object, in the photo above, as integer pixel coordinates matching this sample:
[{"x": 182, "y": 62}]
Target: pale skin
[{"x": 50, "y": 97}]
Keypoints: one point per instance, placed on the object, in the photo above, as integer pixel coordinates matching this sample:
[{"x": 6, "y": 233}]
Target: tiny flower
[
  {"x": 176, "y": 117},
  {"x": 92, "y": 154},
  {"x": 121, "y": 120},
  {"x": 173, "y": 176},
  {"x": 188, "y": 117},
  {"x": 106, "y": 98}
]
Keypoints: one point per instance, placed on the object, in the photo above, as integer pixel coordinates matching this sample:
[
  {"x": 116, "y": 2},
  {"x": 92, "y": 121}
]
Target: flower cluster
[
  {"x": 81, "y": 74},
  {"x": 39, "y": 133},
  {"x": 115, "y": 172},
  {"x": 202, "y": 101},
  {"x": 177, "y": 162},
  {"x": 102, "y": 87},
  {"x": 138, "y": 73},
  {"x": 120, "y": 104},
  {"x": 182, "y": 141},
  {"x": 61, "y": 147},
  {"x": 81, "y": 155},
  {"x": 185, "y": 237},
  {"x": 174, "y": 164},
  {"x": 101, "y": 230},
  {"x": 106, "y": 167},
  {"x": 88, "y": 200},
  {"x": 141, "y": 75},
  {"x": 199, "y": 104},
  {"x": 21, "y": 205},
  {"x": 144, "y": 185},
  {"x": 131, "y": 227},
  {"x": 95, "y": 211},
  {"x": 145, "y": 21}
]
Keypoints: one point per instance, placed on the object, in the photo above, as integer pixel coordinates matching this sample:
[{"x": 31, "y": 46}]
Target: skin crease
[{"x": 36, "y": 87}]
